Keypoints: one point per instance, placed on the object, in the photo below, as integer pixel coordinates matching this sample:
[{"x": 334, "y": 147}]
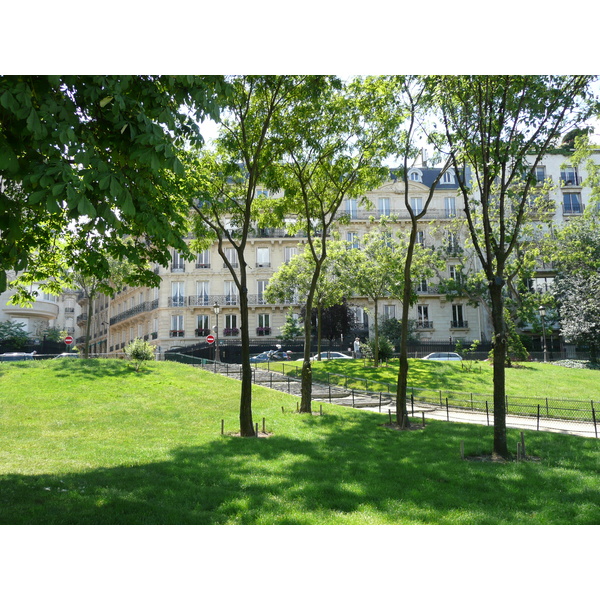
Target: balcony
[
  {"x": 201, "y": 332},
  {"x": 202, "y": 265},
  {"x": 400, "y": 215},
  {"x": 424, "y": 324},
  {"x": 459, "y": 324},
  {"x": 231, "y": 331},
  {"x": 174, "y": 333},
  {"x": 136, "y": 310},
  {"x": 261, "y": 331},
  {"x": 40, "y": 308},
  {"x": 178, "y": 268}
]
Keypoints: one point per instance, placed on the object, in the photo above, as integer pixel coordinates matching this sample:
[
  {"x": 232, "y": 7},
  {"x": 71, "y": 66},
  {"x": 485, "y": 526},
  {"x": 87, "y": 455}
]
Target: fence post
[
  {"x": 329, "y": 394},
  {"x": 547, "y": 408},
  {"x": 271, "y": 380},
  {"x": 380, "y": 402},
  {"x": 506, "y": 404},
  {"x": 352, "y": 398},
  {"x": 412, "y": 404},
  {"x": 487, "y": 413},
  {"x": 538, "y": 418},
  {"x": 471, "y": 400},
  {"x": 594, "y": 418},
  {"x": 447, "y": 411}
]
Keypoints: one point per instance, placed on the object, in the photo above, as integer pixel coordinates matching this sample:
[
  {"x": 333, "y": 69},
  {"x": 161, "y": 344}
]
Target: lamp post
[
  {"x": 217, "y": 310},
  {"x": 542, "y": 311}
]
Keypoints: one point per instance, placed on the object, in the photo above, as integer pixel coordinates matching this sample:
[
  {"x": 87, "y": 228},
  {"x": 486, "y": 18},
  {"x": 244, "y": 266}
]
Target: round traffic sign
[
  {"x": 210, "y": 339},
  {"x": 68, "y": 340}
]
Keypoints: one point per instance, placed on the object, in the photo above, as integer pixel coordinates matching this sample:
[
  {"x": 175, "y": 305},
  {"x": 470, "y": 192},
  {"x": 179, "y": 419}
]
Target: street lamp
[
  {"x": 542, "y": 311},
  {"x": 217, "y": 310}
]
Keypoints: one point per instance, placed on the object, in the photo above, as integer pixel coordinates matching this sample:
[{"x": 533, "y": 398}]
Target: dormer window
[
  {"x": 415, "y": 175},
  {"x": 448, "y": 177}
]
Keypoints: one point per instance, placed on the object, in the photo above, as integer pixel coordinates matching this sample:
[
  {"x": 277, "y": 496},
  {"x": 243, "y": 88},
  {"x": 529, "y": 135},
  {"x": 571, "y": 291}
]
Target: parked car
[
  {"x": 330, "y": 356},
  {"x": 269, "y": 355},
  {"x": 10, "y": 356},
  {"x": 67, "y": 355},
  {"x": 443, "y": 356}
]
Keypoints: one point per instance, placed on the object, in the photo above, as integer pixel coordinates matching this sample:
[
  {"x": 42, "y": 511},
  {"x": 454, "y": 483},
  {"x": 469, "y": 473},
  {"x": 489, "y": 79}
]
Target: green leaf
[{"x": 105, "y": 101}]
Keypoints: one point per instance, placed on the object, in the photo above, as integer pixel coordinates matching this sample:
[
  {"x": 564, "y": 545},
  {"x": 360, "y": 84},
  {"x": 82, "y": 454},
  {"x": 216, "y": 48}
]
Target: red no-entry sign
[
  {"x": 68, "y": 340},
  {"x": 210, "y": 339}
]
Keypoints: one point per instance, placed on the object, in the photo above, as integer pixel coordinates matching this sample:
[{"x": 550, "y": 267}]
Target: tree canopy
[{"x": 100, "y": 153}]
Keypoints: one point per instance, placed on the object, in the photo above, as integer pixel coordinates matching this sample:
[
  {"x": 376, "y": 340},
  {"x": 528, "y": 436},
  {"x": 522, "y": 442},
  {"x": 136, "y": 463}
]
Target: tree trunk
[
  {"x": 376, "y": 325},
  {"x": 306, "y": 385},
  {"x": 246, "y": 423},
  {"x": 500, "y": 348},
  {"x": 401, "y": 408},
  {"x": 88, "y": 328}
]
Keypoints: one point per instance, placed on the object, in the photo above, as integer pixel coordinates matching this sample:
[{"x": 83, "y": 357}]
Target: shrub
[
  {"x": 139, "y": 351},
  {"x": 386, "y": 349}
]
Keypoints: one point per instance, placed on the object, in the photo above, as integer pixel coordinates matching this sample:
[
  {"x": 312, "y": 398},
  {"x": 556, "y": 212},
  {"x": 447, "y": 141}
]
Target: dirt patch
[
  {"x": 396, "y": 427},
  {"x": 260, "y": 435},
  {"x": 496, "y": 458}
]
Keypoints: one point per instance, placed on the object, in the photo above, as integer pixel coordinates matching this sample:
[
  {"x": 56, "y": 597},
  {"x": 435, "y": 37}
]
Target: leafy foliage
[
  {"x": 14, "y": 333},
  {"x": 138, "y": 351},
  {"x": 99, "y": 152}
]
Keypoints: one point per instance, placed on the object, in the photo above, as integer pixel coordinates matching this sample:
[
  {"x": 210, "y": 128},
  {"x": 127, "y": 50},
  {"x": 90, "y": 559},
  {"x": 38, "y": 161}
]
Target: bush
[
  {"x": 139, "y": 351},
  {"x": 13, "y": 333},
  {"x": 386, "y": 349}
]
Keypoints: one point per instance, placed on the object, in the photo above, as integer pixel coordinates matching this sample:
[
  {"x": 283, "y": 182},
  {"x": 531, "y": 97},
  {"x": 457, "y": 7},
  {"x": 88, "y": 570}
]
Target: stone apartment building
[{"x": 181, "y": 312}]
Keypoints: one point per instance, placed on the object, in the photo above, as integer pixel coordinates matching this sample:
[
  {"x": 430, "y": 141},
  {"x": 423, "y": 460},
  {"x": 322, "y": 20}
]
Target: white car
[
  {"x": 443, "y": 356},
  {"x": 330, "y": 356}
]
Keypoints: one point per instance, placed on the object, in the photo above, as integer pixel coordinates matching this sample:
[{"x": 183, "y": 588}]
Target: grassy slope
[
  {"x": 531, "y": 379},
  {"x": 95, "y": 442}
]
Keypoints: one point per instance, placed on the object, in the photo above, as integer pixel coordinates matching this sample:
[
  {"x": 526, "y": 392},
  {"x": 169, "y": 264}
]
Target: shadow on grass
[
  {"x": 96, "y": 368},
  {"x": 360, "y": 473}
]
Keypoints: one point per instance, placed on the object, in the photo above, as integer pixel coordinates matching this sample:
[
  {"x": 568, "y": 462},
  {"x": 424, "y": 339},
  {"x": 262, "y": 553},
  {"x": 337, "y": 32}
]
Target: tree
[
  {"x": 291, "y": 330},
  {"x": 100, "y": 152},
  {"x": 294, "y": 280},
  {"x": 500, "y": 127},
  {"x": 579, "y": 305},
  {"x": 224, "y": 185},
  {"x": 334, "y": 149},
  {"x": 138, "y": 351},
  {"x": 13, "y": 333}
]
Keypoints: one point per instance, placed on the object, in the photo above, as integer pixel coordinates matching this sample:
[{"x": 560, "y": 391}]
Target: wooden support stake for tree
[
  {"x": 462, "y": 449},
  {"x": 256, "y": 429},
  {"x": 523, "y": 444},
  {"x": 264, "y": 430},
  {"x": 222, "y": 426}
]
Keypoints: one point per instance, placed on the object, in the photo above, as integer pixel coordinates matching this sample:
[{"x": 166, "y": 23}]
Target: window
[
  {"x": 203, "y": 325},
  {"x": 572, "y": 204},
  {"x": 264, "y": 324},
  {"x": 421, "y": 238},
  {"x": 452, "y": 242},
  {"x": 261, "y": 286},
  {"x": 351, "y": 207},
  {"x": 422, "y": 286},
  {"x": 231, "y": 255},
  {"x": 423, "y": 321},
  {"x": 456, "y": 274},
  {"x": 416, "y": 204},
  {"x": 352, "y": 239},
  {"x": 448, "y": 177},
  {"x": 263, "y": 257},
  {"x": 177, "y": 293},
  {"x": 230, "y": 293},
  {"x": 261, "y": 192},
  {"x": 360, "y": 317},
  {"x": 383, "y": 205},
  {"x": 178, "y": 263},
  {"x": 457, "y": 316},
  {"x": 289, "y": 253},
  {"x": 203, "y": 260},
  {"x": 540, "y": 174},
  {"x": 177, "y": 326},
  {"x": 230, "y": 325},
  {"x": 202, "y": 293},
  {"x": 450, "y": 207},
  {"x": 389, "y": 311},
  {"x": 415, "y": 175},
  {"x": 140, "y": 332},
  {"x": 568, "y": 176}
]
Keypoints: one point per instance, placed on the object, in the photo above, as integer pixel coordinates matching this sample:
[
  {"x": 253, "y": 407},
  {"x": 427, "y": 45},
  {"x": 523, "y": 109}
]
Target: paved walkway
[{"x": 385, "y": 403}]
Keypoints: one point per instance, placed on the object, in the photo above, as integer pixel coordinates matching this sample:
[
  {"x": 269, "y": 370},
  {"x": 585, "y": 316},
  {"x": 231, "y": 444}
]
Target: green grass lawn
[
  {"x": 527, "y": 380},
  {"x": 94, "y": 442}
]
